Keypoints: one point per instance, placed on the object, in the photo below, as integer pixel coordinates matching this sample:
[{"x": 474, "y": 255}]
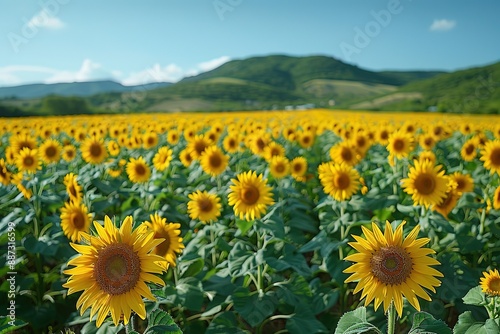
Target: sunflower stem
[
  {"x": 391, "y": 319},
  {"x": 213, "y": 250}
]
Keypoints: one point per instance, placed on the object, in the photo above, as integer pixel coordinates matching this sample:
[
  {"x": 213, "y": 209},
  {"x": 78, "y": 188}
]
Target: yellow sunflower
[
  {"x": 93, "y": 150},
  {"x": 250, "y": 195},
  {"x": 465, "y": 183},
  {"x": 27, "y": 160},
  {"x": 426, "y": 183},
  {"x": 73, "y": 189},
  {"x": 137, "y": 170},
  {"x": 204, "y": 206},
  {"x": 344, "y": 152},
  {"x": 22, "y": 140},
  {"x": 149, "y": 139},
  {"x": 388, "y": 267},
  {"x": 17, "y": 180},
  {"x": 469, "y": 150},
  {"x": 491, "y": 156},
  {"x": 231, "y": 143},
  {"x": 113, "y": 148},
  {"x": 427, "y": 155},
  {"x": 185, "y": 157},
  {"x": 171, "y": 244},
  {"x": 340, "y": 181},
  {"x": 173, "y": 136},
  {"x": 213, "y": 161},
  {"x": 449, "y": 202},
  {"x": 305, "y": 138},
  {"x": 490, "y": 283},
  {"x": 400, "y": 144},
  {"x": 5, "y": 174},
  {"x": 298, "y": 168},
  {"x": 273, "y": 149},
  {"x": 162, "y": 158},
  {"x": 112, "y": 271},
  {"x": 496, "y": 199},
  {"x": 68, "y": 153},
  {"x": 197, "y": 146},
  {"x": 427, "y": 141},
  {"x": 74, "y": 220},
  {"x": 279, "y": 166},
  {"x": 50, "y": 151}
]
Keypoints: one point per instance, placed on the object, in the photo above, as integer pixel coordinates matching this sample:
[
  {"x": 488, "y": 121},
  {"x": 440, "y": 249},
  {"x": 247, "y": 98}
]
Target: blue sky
[{"x": 135, "y": 42}]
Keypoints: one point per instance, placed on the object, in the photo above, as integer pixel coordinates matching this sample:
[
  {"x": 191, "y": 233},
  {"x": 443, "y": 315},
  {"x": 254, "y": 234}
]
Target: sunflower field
[{"x": 310, "y": 221}]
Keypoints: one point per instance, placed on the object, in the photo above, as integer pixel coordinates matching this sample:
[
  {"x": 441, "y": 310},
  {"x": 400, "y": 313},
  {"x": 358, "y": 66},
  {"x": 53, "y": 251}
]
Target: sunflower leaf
[
  {"x": 424, "y": 323},
  {"x": 354, "y": 322},
  {"x": 468, "y": 325},
  {"x": 161, "y": 322},
  {"x": 475, "y": 296},
  {"x": 7, "y": 325}
]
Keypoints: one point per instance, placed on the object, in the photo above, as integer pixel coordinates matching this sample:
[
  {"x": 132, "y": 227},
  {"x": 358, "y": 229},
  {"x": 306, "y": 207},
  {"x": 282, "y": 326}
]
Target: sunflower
[
  {"x": 113, "y": 148},
  {"x": 279, "y": 166},
  {"x": 305, "y": 138},
  {"x": 490, "y": 283},
  {"x": 112, "y": 270},
  {"x": 149, "y": 139},
  {"x": 22, "y": 140},
  {"x": 344, "y": 152},
  {"x": 449, "y": 202},
  {"x": 137, "y": 170},
  {"x": 427, "y": 141},
  {"x": 383, "y": 135},
  {"x": 5, "y": 174},
  {"x": 464, "y": 182},
  {"x": 491, "y": 156},
  {"x": 427, "y": 155},
  {"x": 249, "y": 195},
  {"x": 197, "y": 146},
  {"x": 50, "y": 151},
  {"x": 162, "y": 158},
  {"x": 171, "y": 244},
  {"x": 298, "y": 168},
  {"x": 340, "y": 181},
  {"x": 273, "y": 149},
  {"x": 27, "y": 160},
  {"x": 173, "y": 136},
  {"x": 361, "y": 143},
  {"x": 73, "y": 189},
  {"x": 469, "y": 150},
  {"x": 258, "y": 142},
  {"x": 496, "y": 199},
  {"x": 388, "y": 267},
  {"x": 426, "y": 183},
  {"x": 68, "y": 153},
  {"x": 213, "y": 161},
  {"x": 204, "y": 206},
  {"x": 93, "y": 150},
  {"x": 17, "y": 180},
  {"x": 400, "y": 144},
  {"x": 231, "y": 143},
  {"x": 185, "y": 157},
  {"x": 74, "y": 220}
]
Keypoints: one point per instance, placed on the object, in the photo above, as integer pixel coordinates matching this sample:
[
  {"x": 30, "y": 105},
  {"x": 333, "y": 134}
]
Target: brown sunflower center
[
  {"x": 494, "y": 285},
  {"x": 117, "y": 269},
  {"x": 280, "y": 168},
  {"x": 28, "y": 161},
  {"x": 495, "y": 156},
  {"x": 78, "y": 220},
  {"x": 342, "y": 181},
  {"x": 151, "y": 141},
  {"x": 140, "y": 169},
  {"x": 260, "y": 143},
  {"x": 95, "y": 150},
  {"x": 460, "y": 184},
  {"x": 425, "y": 184},
  {"x": 346, "y": 154},
  {"x": 250, "y": 195},
  {"x": 200, "y": 147},
  {"x": 469, "y": 149},
  {"x": 70, "y": 153},
  {"x": 205, "y": 205},
  {"x": 361, "y": 142},
  {"x": 163, "y": 248},
  {"x": 275, "y": 151},
  {"x": 51, "y": 152},
  {"x": 72, "y": 190},
  {"x": 384, "y": 135},
  {"x": 215, "y": 160},
  {"x": 231, "y": 143},
  {"x": 398, "y": 145},
  {"x": 391, "y": 265},
  {"x": 297, "y": 168},
  {"x": 428, "y": 141},
  {"x": 306, "y": 139}
]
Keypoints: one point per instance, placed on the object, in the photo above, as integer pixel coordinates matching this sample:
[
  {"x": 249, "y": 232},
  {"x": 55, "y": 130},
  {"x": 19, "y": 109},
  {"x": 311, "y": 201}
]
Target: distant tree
[{"x": 58, "y": 105}]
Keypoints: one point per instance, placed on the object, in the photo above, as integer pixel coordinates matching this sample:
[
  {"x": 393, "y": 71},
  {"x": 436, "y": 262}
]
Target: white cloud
[
  {"x": 45, "y": 20},
  {"x": 169, "y": 73},
  {"x": 88, "y": 71},
  {"x": 214, "y": 63},
  {"x": 442, "y": 25},
  {"x": 13, "y": 75}
]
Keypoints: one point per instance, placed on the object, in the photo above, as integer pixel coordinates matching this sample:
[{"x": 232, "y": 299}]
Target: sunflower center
[
  {"x": 250, "y": 195},
  {"x": 346, "y": 154},
  {"x": 361, "y": 142},
  {"x": 205, "y": 205},
  {"x": 232, "y": 143},
  {"x": 163, "y": 248},
  {"x": 117, "y": 269},
  {"x": 78, "y": 220},
  {"x": 306, "y": 139},
  {"x": 51, "y": 152},
  {"x": 342, "y": 181},
  {"x": 469, "y": 149},
  {"x": 215, "y": 160},
  {"x": 72, "y": 190},
  {"x": 495, "y": 157},
  {"x": 297, "y": 168},
  {"x": 280, "y": 168},
  {"x": 29, "y": 161},
  {"x": 200, "y": 147},
  {"x": 398, "y": 145},
  {"x": 260, "y": 143},
  {"x": 460, "y": 184},
  {"x": 428, "y": 141},
  {"x": 425, "y": 184},
  {"x": 494, "y": 285},
  {"x": 140, "y": 170},
  {"x": 384, "y": 135},
  {"x": 391, "y": 265},
  {"x": 70, "y": 153},
  {"x": 95, "y": 150}
]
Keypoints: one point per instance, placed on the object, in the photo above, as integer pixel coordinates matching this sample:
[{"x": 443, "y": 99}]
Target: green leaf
[
  {"x": 254, "y": 308},
  {"x": 225, "y": 322},
  {"x": 160, "y": 322},
  {"x": 468, "y": 325},
  {"x": 45, "y": 245},
  {"x": 475, "y": 296},
  {"x": 304, "y": 321},
  {"x": 107, "y": 327},
  {"x": 190, "y": 293},
  {"x": 192, "y": 267},
  {"x": 354, "y": 322},
  {"x": 424, "y": 323},
  {"x": 244, "y": 225},
  {"x": 8, "y": 325}
]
